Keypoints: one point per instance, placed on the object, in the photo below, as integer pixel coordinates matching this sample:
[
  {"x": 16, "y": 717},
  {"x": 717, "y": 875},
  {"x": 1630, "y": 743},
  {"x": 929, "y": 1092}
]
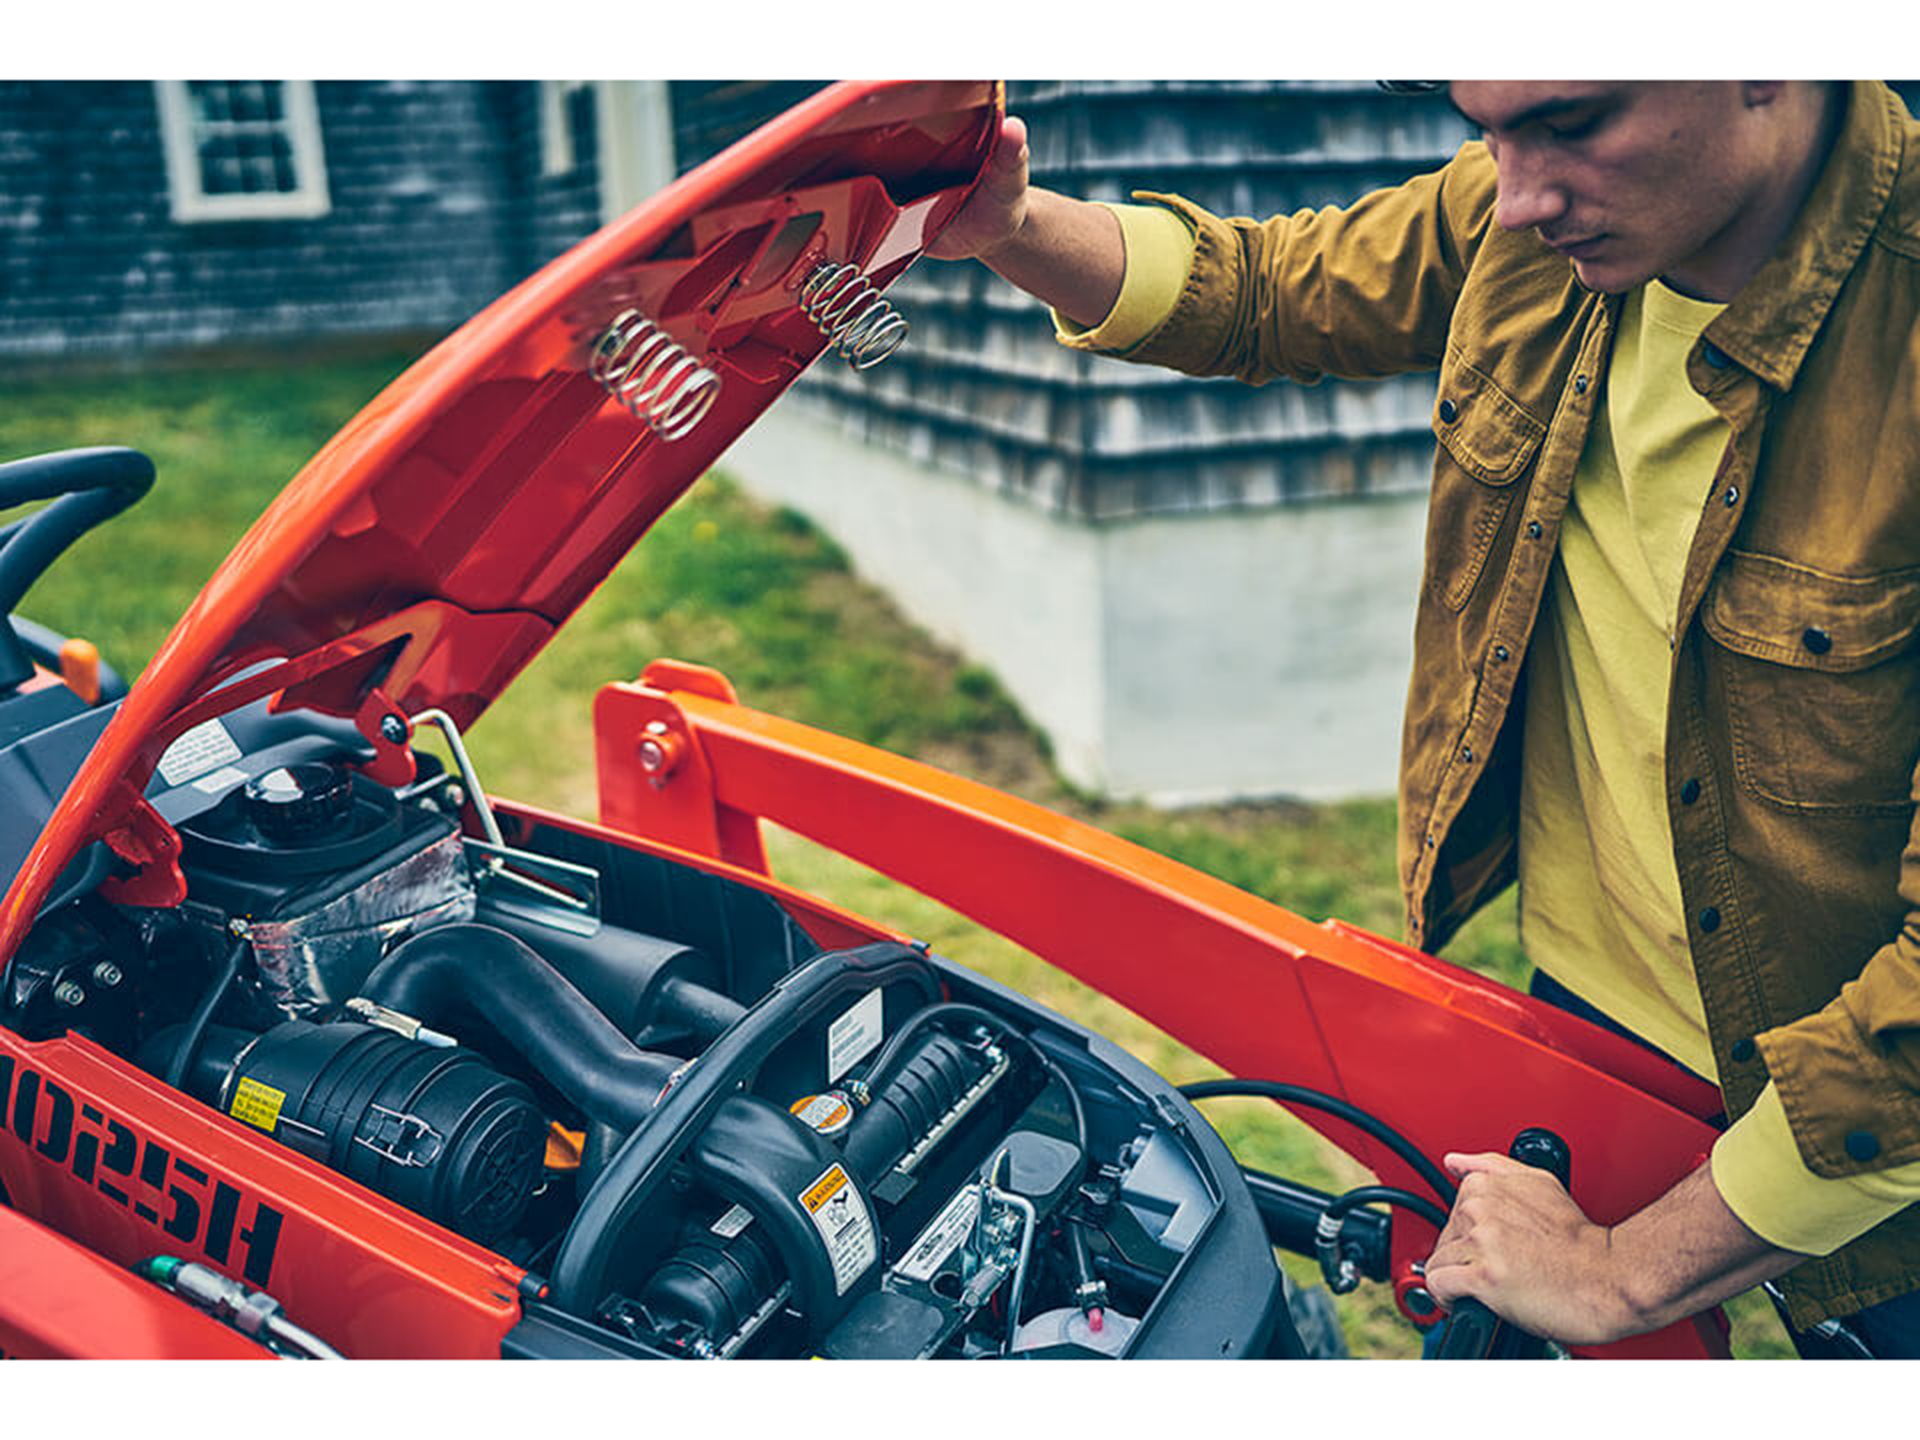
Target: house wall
[{"x": 420, "y": 233}]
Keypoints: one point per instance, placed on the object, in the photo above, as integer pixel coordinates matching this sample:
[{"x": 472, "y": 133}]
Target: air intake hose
[{"x": 437, "y": 975}]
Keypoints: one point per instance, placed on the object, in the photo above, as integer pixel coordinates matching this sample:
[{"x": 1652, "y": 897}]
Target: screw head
[
  {"x": 393, "y": 729},
  {"x": 69, "y": 993},
  {"x": 107, "y": 974}
]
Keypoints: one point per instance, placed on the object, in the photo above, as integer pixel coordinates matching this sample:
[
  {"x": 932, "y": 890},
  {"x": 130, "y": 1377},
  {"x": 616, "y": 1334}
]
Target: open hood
[{"x": 432, "y": 547}]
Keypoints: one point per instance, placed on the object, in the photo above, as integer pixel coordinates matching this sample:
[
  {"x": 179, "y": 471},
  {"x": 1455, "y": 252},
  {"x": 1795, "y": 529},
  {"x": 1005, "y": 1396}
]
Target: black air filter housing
[{"x": 438, "y": 1130}]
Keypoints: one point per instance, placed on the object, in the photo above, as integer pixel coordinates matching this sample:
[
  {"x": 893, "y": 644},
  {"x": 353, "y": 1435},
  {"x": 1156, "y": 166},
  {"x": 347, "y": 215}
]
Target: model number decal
[{"x": 133, "y": 1170}]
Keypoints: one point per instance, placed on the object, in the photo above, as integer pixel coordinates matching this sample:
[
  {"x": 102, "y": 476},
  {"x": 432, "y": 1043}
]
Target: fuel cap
[{"x": 299, "y": 803}]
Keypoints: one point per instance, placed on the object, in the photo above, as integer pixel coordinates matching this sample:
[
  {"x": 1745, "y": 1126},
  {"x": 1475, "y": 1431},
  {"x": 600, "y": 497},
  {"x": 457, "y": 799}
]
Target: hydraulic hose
[
  {"x": 486, "y": 972},
  {"x": 1340, "y": 1109}
]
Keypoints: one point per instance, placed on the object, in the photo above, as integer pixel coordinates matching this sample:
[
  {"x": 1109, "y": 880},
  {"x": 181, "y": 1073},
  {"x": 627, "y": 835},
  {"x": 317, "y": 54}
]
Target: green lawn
[{"x": 766, "y": 599}]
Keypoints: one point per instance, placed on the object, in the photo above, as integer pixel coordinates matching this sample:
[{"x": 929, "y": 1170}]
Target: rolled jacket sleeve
[
  {"x": 1159, "y": 251},
  {"x": 1849, "y": 1074},
  {"x": 1760, "y": 1174},
  {"x": 1361, "y": 292}
]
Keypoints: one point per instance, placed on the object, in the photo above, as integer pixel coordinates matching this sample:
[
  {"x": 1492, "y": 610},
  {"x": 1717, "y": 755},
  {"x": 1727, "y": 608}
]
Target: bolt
[
  {"x": 653, "y": 755},
  {"x": 393, "y": 729},
  {"x": 239, "y": 928},
  {"x": 107, "y": 974},
  {"x": 69, "y": 993},
  {"x": 456, "y": 797}
]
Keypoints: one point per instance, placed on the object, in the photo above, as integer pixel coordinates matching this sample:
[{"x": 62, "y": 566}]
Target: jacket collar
[{"x": 1770, "y": 323}]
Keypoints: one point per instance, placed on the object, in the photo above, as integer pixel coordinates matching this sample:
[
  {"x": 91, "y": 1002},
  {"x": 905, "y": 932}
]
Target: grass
[{"x": 765, "y": 598}]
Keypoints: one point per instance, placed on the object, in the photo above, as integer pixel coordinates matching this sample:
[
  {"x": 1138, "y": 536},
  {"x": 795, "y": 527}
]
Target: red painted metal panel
[
  {"x": 60, "y": 1301},
  {"x": 1450, "y": 1059},
  {"x": 93, "y": 1147},
  {"x": 497, "y": 481}
]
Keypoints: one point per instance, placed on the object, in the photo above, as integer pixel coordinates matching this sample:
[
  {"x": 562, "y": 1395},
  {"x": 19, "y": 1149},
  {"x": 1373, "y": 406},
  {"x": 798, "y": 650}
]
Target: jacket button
[
  {"x": 1449, "y": 412},
  {"x": 1579, "y": 384},
  {"x": 1714, "y": 356},
  {"x": 1732, "y": 496},
  {"x": 1501, "y": 653},
  {"x": 1742, "y": 1051},
  {"x": 1863, "y": 1145},
  {"x": 1816, "y": 640},
  {"x": 1709, "y": 919},
  {"x": 1689, "y": 792},
  {"x": 1533, "y": 529}
]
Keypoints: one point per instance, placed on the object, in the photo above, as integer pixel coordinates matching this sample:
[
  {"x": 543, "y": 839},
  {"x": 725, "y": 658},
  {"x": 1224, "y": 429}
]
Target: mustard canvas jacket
[{"x": 1794, "y": 722}]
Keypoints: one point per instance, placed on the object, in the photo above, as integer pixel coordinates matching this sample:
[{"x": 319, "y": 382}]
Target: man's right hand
[
  {"x": 997, "y": 208},
  {"x": 1067, "y": 252}
]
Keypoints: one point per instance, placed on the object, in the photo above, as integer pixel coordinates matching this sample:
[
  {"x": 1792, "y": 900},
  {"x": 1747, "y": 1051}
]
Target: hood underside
[{"x": 434, "y": 545}]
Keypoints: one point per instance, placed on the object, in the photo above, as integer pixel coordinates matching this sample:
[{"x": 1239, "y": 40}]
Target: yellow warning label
[
  {"x": 258, "y": 1105},
  {"x": 824, "y": 1189}
]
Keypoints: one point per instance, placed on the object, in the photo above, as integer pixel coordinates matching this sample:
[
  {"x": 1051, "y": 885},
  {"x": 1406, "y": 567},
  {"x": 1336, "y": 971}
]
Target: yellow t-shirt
[
  {"x": 1600, "y": 905},
  {"x": 1600, "y": 895}
]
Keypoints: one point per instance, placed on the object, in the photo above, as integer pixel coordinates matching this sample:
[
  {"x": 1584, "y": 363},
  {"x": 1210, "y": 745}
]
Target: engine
[{"x": 704, "y": 1134}]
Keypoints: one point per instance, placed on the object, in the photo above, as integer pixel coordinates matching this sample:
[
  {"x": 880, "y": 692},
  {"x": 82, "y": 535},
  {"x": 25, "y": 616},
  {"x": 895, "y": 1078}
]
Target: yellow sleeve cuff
[
  {"x": 1159, "y": 248},
  {"x": 1759, "y": 1173}
]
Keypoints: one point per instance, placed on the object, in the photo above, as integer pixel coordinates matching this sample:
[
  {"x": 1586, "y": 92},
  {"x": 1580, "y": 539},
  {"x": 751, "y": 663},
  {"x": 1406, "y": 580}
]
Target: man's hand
[
  {"x": 1068, "y": 253},
  {"x": 1517, "y": 1241},
  {"x": 997, "y": 208}
]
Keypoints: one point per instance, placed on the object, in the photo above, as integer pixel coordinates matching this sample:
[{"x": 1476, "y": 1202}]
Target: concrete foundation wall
[{"x": 1180, "y": 659}]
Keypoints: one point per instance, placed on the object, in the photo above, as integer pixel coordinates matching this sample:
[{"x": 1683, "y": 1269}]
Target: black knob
[
  {"x": 300, "y": 803},
  {"x": 1544, "y": 1150}
]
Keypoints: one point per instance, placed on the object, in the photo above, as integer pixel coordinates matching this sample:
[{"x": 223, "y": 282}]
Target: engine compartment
[{"x": 698, "y": 1130}]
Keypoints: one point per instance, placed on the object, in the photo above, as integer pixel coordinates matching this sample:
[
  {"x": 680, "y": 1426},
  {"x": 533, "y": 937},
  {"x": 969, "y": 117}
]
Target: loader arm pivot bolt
[{"x": 660, "y": 752}]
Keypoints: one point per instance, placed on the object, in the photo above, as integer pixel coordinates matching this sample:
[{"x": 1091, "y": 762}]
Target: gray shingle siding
[
  {"x": 428, "y": 222},
  {"x": 981, "y": 387}
]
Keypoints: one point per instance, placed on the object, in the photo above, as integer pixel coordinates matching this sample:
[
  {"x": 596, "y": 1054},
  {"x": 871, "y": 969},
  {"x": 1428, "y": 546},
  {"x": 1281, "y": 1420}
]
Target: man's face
[{"x": 1628, "y": 180}]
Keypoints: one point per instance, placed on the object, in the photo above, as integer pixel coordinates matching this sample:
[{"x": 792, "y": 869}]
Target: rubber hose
[
  {"x": 203, "y": 1014},
  {"x": 488, "y": 973}
]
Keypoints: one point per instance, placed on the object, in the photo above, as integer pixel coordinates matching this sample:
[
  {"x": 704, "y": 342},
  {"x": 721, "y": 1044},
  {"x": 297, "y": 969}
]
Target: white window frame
[
  {"x": 191, "y": 203},
  {"x": 557, "y": 155}
]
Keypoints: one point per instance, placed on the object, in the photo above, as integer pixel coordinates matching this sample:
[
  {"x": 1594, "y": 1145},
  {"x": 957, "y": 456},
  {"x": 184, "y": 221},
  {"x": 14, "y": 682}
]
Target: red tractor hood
[{"x": 429, "y": 551}]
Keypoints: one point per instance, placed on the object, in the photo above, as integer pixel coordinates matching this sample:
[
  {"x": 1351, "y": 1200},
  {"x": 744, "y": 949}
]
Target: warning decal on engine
[
  {"x": 205, "y": 747},
  {"x": 854, "y": 1035},
  {"x": 840, "y": 1215},
  {"x": 943, "y": 1235},
  {"x": 257, "y": 1104}
]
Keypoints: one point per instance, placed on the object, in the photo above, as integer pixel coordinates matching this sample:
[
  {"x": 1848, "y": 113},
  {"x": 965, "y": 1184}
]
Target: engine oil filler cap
[
  {"x": 829, "y": 1112},
  {"x": 299, "y": 802}
]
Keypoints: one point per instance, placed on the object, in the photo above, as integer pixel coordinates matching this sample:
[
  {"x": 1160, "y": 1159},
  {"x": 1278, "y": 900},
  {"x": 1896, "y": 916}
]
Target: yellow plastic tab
[{"x": 80, "y": 668}]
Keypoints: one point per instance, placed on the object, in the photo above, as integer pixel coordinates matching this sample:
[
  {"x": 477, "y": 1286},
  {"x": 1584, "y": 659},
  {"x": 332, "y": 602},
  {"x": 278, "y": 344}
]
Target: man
[{"x": 1665, "y": 665}]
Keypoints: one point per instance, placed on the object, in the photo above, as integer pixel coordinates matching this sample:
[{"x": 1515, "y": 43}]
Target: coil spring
[
  {"x": 653, "y": 375},
  {"x": 850, "y": 313}
]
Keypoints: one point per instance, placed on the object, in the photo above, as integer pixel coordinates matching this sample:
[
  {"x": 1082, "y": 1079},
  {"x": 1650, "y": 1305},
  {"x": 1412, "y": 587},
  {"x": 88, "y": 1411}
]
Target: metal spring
[
  {"x": 850, "y": 313},
  {"x": 653, "y": 375}
]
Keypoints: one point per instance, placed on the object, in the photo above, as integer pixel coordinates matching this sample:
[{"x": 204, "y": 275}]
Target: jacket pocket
[
  {"x": 1487, "y": 441},
  {"x": 1822, "y": 682}
]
